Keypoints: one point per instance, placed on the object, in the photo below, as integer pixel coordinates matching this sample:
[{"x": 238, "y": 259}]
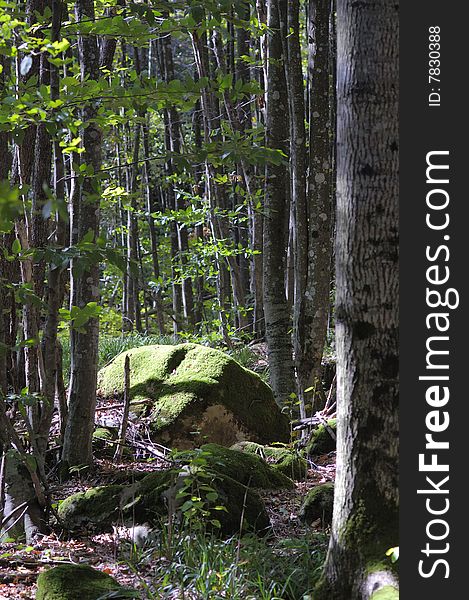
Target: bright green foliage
[
  {"x": 77, "y": 582},
  {"x": 182, "y": 381}
]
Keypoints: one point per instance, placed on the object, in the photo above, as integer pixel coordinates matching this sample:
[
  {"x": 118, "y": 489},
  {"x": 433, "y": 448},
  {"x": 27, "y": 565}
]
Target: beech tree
[
  {"x": 365, "y": 521},
  {"x": 277, "y": 210},
  {"x": 85, "y": 280}
]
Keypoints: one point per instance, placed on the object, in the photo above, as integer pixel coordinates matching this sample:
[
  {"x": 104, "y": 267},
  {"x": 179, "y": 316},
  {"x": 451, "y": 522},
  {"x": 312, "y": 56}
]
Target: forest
[{"x": 199, "y": 308}]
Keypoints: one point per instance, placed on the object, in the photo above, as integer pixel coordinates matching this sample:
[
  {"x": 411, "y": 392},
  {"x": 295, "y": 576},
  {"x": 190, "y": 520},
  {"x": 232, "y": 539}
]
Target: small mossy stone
[
  {"x": 104, "y": 433},
  {"x": 103, "y": 439},
  {"x": 244, "y": 468},
  {"x": 282, "y": 459},
  {"x": 321, "y": 441},
  {"x": 318, "y": 504},
  {"x": 387, "y": 592},
  {"x": 191, "y": 388},
  {"x": 75, "y": 582}
]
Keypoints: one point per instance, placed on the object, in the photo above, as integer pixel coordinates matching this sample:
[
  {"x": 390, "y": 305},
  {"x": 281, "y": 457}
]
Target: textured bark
[
  {"x": 299, "y": 212},
  {"x": 5, "y": 164},
  {"x": 276, "y": 211},
  {"x": 84, "y": 346},
  {"x": 150, "y": 192},
  {"x": 54, "y": 289},
  {"x": 365, "y": 522},
  {"x": 313, "y": 308},
  {"x": 132, "y": 310}
]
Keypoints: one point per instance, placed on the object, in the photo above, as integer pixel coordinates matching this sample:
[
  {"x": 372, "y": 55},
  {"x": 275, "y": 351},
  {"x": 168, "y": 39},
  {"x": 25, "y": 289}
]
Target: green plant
[{"x": 245, "y": 568}]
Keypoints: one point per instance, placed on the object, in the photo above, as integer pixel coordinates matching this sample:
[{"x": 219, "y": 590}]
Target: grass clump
[{"x": 244, "y": 568}]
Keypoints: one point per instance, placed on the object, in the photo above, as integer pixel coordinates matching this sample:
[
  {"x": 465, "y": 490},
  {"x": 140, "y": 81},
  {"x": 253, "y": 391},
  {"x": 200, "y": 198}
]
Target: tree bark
[
  {"x": 84, "y": 345},
  {"x": 276, "y": 210},
  {"x": 313, "y": 309},
  {"x": 365, "y": 521}
]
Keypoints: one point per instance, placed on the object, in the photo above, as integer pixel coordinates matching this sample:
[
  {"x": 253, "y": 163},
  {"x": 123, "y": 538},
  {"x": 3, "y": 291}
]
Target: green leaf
[
  {"x": 16, "y": 247},
  {"x": 188, "y": 504}
]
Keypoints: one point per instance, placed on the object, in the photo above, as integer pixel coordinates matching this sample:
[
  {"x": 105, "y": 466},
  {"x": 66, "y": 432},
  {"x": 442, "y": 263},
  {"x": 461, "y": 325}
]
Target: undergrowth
[{"x": 198, "y": 567}]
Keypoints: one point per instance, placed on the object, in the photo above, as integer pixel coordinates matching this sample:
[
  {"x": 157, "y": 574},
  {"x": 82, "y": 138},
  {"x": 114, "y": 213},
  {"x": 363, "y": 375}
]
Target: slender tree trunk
[
  {"x": 365, "y": 521},
  {"x": 277, "y": 314},
  {"x": 150, "y": 191},
  {"x": 84, "y": 345},
  {"x": 313, "y": 308},
  {"x": 5, "y": 165}
]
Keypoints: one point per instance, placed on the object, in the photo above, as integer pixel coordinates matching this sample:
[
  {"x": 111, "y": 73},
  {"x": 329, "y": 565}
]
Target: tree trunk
[
  {"x": 276, "y": 209},
  {"x": 313, "y": 311},
  {"x": 84, "y": 345},
  {"x": 365, "y": 522}
]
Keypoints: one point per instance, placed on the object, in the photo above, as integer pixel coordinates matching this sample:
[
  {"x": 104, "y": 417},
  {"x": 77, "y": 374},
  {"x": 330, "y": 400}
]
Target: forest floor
[{"x": 20, "y": 565}]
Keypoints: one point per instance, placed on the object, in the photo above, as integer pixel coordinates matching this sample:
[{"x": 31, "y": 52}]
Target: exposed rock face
[
  {"x": 76, "y": 582},
  {"x": 194, "y": 394}
]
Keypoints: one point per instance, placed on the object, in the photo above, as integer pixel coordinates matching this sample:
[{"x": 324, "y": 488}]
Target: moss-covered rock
[
  {"x": 96, "y": 506},
  {"x": 247, "y": 469},
  {"x": 151, "y": 499},
  {"x": 103, "y": 506},
  {"x": 103, "y": 438},
  {"x": 192, "y": 388},
  {"x": 75, "y": 582},
  {"x": 321, "y": 441},
  {"x": 245, "y": 509},
  {"x": 282, "y": 459},
  {"x": 318, "y": 504}
]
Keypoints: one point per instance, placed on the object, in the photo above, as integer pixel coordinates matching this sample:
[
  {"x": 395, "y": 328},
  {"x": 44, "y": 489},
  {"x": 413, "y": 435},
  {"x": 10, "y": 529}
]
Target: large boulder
[
  {"x": 194, "y": 394},
  {"x": 208, "y": 478},
  {"x": 78, "y": 582}
]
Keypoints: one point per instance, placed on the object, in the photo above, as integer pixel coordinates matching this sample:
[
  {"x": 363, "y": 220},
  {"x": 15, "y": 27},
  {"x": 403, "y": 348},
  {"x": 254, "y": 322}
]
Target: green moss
[
  {"x": 387, "y": 592},
  {"x": 318, "y": 504},
  {"x": 74, "y": 582},
  {"x": 99, "y": 505},
  {"x": 321, "y": 441},
  {"x": 247, "y": 469},
  {"x": 189, "y": 377},
  {"x": 103, "y": 433},
  {"x": 283, "y": 460}
]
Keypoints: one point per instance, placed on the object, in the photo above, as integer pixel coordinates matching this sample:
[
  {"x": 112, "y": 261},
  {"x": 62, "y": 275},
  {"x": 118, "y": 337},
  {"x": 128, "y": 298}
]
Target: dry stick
[{"x": 125, "y": 417}]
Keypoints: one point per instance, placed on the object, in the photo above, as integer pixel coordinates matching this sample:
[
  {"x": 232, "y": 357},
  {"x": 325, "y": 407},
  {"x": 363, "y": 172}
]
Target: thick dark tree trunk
[
  {"x": 276, "y": 209},
  {"x": 365, "y": 522}
]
